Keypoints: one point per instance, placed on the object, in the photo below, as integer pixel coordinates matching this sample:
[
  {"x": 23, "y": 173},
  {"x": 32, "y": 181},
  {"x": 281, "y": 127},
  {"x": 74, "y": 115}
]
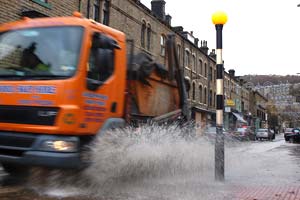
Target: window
[
  {"x": 214, "y": 100},
  {"x": 200, "y": 67},
  {"x": 162, "y": 45},
  {"x": 143, "y": 33},
  {"x": 187, "y": 85},
  {"x": 97, "y": 10},
  {"x": 106, "y": 12},
  {"x": 215, "y": 75},
  {"x": 194, "y": 63},
  {"x": 200, "y": 94},
  {"x": 210, "y": 73},
  {"x": 205, "y": 95},
  {"x": 43, "y": 3},
  {"x": 187, "y": 58},
  {"x": 148, "y": 37},
  {"x": 205, "y": 70},
  {"x": 243, "y": 106},
  {"x": 210, "y": 100},
  {"x": 194, "y": 92},
  {"x": 179, "y": 52}
]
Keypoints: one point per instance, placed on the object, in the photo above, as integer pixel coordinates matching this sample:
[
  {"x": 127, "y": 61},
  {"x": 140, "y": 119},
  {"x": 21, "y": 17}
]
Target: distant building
[{"x": 288, "y": 105}]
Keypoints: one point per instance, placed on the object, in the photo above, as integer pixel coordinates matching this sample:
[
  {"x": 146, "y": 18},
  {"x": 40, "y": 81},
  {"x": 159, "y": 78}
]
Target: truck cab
[{"x": 62, "y": 81}]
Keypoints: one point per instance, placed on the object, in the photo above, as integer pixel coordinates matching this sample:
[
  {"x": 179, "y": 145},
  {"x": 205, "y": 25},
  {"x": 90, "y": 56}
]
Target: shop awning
[{"x": 239, "y": 117}]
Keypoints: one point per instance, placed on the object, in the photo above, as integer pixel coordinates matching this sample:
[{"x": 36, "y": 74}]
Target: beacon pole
[{"x": 219, "y": 19}]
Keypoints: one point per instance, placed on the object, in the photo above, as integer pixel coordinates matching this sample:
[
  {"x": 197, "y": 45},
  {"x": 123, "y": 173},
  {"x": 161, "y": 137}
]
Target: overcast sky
[{"x": 260, "y": 36}]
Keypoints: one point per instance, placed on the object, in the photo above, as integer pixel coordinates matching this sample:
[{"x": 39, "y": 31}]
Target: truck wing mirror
[
  {"x": 104, "y": 42},
  {"x": 104, "y": 60},
  {"x": 93, "y": 84}
]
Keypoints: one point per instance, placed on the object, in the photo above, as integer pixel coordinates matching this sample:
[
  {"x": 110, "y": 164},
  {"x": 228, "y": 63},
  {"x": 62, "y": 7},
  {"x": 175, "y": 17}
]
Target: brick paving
[{"x": 267, "y": 193}]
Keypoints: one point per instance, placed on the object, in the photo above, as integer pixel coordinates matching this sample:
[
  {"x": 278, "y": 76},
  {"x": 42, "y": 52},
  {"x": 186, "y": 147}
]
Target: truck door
[{"x": 99, "y": 97}]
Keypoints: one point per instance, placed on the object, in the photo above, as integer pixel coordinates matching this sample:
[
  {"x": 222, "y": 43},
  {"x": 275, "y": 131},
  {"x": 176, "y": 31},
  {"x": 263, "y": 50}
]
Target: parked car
[
  {"x": 293, "y": 135},
  {"x": 244, "y": 133},
  {"x": 288, "y": 132},
  {"x": 265, "y": 133},
  {"x": 211, "y": 131}
]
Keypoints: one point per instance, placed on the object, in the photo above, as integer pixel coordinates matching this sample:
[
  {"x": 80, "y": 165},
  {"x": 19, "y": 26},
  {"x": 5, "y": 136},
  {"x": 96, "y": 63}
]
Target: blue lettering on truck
[
  {"x": 28, "y": 89},
  {"x": 6, "y": 89}
]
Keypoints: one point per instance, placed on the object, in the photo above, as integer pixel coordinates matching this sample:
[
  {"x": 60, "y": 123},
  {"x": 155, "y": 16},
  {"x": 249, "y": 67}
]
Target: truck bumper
[
  {"x": 26, "y": 149},
  {"x": 45, "y": 159}
]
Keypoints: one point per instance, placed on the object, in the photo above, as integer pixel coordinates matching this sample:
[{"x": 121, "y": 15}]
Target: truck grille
[
  {"x": 15, "y": 144},
  {"x": 28, "y": 115},
  {"x": 12, "y": 140}
]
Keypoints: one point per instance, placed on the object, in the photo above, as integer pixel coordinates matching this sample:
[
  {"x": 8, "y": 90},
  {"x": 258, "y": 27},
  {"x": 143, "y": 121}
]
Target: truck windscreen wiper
[
  {"x": 31, "y": 77},
  {"x": 11, "y": 77},
  {"x": 46, "y": 77}
]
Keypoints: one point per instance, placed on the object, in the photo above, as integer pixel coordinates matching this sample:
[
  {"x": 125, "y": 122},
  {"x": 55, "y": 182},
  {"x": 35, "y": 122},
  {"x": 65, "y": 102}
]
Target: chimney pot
[{"x": 196, "y": 42}]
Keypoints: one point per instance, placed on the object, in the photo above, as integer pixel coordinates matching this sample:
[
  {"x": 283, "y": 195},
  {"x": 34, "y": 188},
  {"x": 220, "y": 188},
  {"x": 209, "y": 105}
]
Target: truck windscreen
[{"x": 40, "y": 53}]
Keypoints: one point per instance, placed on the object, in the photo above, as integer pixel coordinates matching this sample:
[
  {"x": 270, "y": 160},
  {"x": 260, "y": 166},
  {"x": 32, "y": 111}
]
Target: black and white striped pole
[{"x": 219, "y": 19}]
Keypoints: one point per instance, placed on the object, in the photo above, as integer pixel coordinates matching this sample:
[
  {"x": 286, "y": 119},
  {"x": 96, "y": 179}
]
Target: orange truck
[{"x": 65, "y": 80}]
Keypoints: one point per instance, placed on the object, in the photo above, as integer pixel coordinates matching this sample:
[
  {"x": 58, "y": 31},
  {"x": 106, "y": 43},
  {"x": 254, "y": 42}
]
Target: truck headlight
[{"x": 60, "y": 145}]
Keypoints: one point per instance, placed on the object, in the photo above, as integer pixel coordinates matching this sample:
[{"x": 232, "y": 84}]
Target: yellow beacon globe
[{"x": 219, "y": 17}]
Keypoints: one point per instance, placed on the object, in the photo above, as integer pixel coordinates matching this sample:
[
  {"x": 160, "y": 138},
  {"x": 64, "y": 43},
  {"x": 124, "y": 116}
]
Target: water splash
[
  {"x": 150, "y": 151},
  {"x": 151, "y": 162}
]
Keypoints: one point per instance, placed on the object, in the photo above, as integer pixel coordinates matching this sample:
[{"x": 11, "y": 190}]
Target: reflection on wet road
[{"x": 170, "y": 169}]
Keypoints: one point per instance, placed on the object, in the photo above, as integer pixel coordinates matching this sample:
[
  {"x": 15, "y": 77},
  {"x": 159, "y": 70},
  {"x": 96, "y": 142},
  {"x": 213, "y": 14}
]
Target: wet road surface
[{"x": 247, "y": 164}]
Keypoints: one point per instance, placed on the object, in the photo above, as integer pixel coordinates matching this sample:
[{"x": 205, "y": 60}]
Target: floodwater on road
[{"x": 164, "y": 163}]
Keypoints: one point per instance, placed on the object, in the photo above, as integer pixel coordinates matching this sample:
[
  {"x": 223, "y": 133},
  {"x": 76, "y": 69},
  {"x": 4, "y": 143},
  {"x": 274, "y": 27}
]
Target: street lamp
[{"x": 219, "y": 19}]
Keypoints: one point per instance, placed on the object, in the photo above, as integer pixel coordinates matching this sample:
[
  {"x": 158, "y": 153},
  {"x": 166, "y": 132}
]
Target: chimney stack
[
  {"x": 204, "y": 47},
  {"x": 177, "y": 29},
  {"x": 231, "y": 73},
  {"x": 158, "y": 9},
  {"x": 168, "y": 19}
]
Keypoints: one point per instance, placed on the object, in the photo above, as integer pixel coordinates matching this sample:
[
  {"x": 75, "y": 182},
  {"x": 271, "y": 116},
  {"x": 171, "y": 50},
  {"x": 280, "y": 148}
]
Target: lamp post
[{"x": 219, "y": 19}]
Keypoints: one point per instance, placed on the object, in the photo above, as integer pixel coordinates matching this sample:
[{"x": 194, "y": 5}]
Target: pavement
[{"x": 268, "y": 193}]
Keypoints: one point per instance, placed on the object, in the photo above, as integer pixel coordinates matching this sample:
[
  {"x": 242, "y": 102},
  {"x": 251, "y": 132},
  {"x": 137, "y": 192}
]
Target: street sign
[{"x": 230, "y": 102}]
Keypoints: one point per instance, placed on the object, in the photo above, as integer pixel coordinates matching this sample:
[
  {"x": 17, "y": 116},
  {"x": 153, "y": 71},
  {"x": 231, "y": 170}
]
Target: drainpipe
[
  {"x": 88, "y": 9},
  {"x": 208, "y": 89}
]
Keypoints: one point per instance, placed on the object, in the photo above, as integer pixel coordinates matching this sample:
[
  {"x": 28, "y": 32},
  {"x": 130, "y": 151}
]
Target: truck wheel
[{"x": 14, "y": 169}]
